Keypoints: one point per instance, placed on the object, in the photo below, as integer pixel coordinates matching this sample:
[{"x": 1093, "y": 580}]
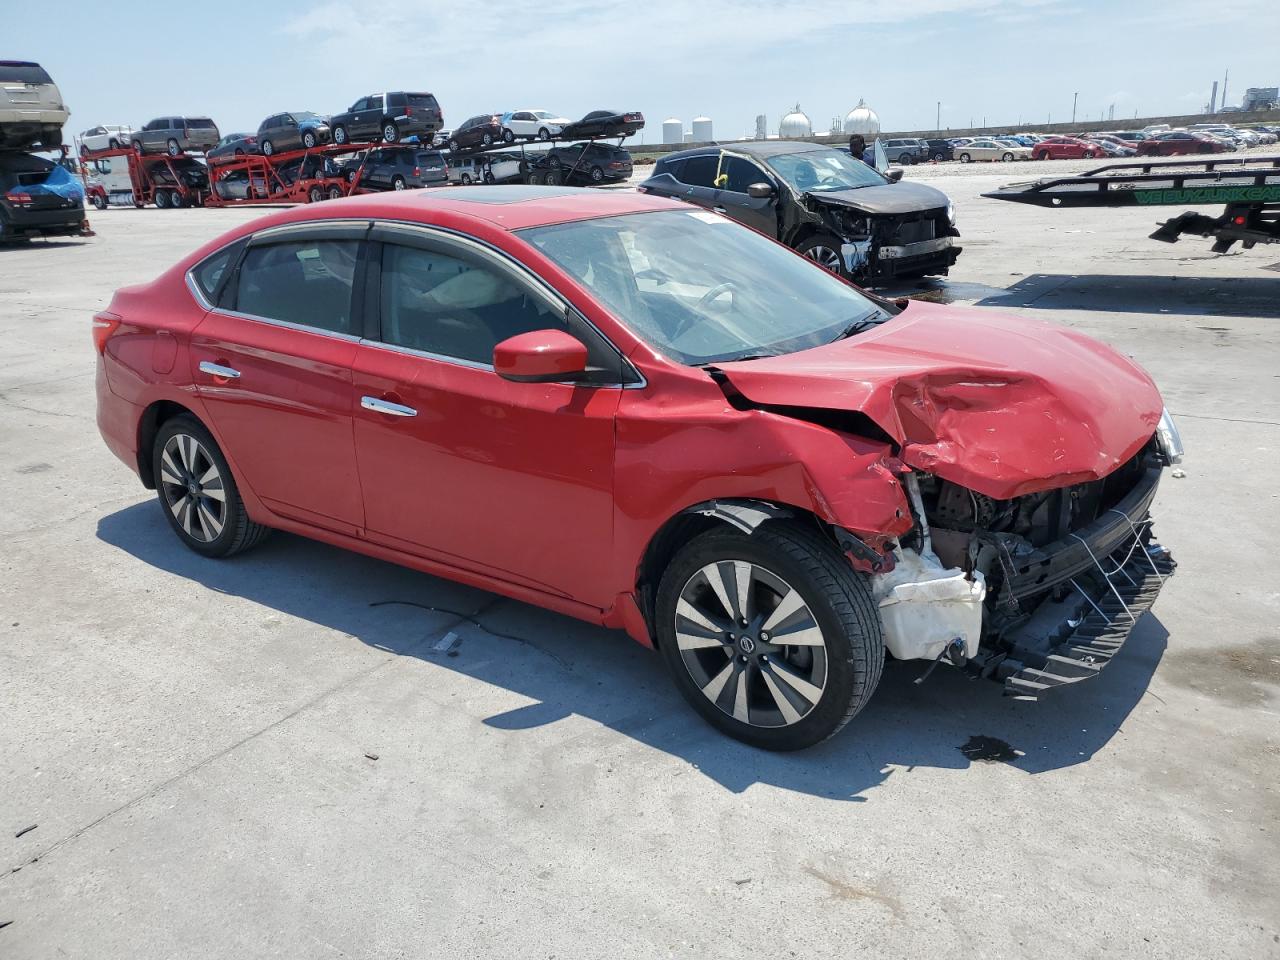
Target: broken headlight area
[
  {"x": 1067, "y": 572},
  {"x": 1169, "y": 439}
]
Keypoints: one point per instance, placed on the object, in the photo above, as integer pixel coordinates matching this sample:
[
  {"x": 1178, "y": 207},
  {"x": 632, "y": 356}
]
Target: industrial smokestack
[{"x": 1213, "y": 98}]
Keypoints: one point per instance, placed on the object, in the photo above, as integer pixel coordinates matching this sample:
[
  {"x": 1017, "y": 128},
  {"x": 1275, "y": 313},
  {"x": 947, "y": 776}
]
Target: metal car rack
[
  {"x": 529, "y": 171},
  {"x": 266, "y": 170},
  {"x": 1249, "y": 187},
  {"x": 142, "y": 179}
]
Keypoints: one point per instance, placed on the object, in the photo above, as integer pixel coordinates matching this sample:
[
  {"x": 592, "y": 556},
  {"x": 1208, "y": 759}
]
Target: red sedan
[
  {"x": 1180, "y": 143},
  {"x": 1065, "y": 148},
  {"x": 652, "y": 418}
]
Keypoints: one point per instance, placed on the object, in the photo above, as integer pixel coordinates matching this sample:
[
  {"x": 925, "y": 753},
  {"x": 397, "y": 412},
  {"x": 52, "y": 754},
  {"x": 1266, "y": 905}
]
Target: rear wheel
[
  {"x": 1007, "y": 158},
  {"x": 938, "y": 157},
  {"x": 544, "y": 133},
  {"x": 597, "y": 175},
  {"x": 113, "y": 144},
  {"x": 487, "y": 139},
  {"x": 397, "y": 182},
  {"x": 315, "y": 194},
  {"x": 335, "y": 192},
  {"x": 1042, "y": 154},
  {"x": 466, "y": 179},
  {"x": 773, "y": 638},
  {"x": 137, "y": 147},
  {"x": 390, "y": 132},
  {"x": 453, "y": 146},
  {"x": 177, "y": 200},
  {"x": 198, "y": 493},
  {"x": 555, "y": 176},
  {"x": 162, "y": 199}
]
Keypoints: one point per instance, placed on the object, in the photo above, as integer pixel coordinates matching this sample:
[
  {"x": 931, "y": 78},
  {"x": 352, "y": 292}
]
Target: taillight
[
  {"x": 408, "y": 111},
  {"x": 18, "y": 199},
  {"x": 417, "y": 172},
  {"x": 104, "y": 325}
]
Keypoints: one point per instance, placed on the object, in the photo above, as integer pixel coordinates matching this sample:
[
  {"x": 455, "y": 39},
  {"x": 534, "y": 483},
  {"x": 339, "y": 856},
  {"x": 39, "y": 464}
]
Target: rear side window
[
  {"x": 18, "y": 71},
  {"x": 209, "y": 272},
  {"x": 699, "y": 171},
  {"x": 306, "y": 282}
]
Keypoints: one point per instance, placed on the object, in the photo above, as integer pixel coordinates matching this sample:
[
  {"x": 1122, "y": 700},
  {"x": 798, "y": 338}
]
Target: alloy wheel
[
  {"x": 825, "y": 256},
  {"x": 193, "y": 488},
  {"x": 751, "y": 643}
]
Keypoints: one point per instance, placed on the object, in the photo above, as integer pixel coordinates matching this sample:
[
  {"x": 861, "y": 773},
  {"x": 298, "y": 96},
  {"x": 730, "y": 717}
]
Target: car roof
[{"x": 505, "y": 207}]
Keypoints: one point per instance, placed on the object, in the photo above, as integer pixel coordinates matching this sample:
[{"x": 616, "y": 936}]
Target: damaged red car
[{"x": 652, "y": 418}]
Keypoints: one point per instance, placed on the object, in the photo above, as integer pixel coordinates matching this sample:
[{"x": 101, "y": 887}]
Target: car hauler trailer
[
  {"x": 1248, "y": 187},
  {"x": 293, "y": 176},
  {"x": 167, "y": 181},
  {"x": 539, "y": 167}
]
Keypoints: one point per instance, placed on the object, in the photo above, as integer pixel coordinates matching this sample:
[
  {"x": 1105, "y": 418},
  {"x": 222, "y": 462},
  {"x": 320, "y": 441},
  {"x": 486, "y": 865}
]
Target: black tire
[
  {"x": 1007, "y": 158},
  {"x": 965, "y": 158},
  {"x": 555, "y": 176},
  {"x": 397, "y": 182},
  {"x": 315, "y": 194},
  {"x": 597, "y": 175},
  {"x": 138, "y": 148},
  {"x": 537, "y": 177},
  {"x": 465, "y": 179},
  {"x": 268, "y": 148},
  {"x": 905, "y": 159},
  {"x": 84, "y": 151},
  {"x": 839, "y": 600},
  {"x": 938, "y": 157},
  {"x": 339, "y": 134},
  {"x": 1042, "y": 155},
  {"x": 487, "y": 139},
  {"x": 490, "y": 178},
  {"x": 172, "y": 147},
  {"x": 113, "y": 144},
  {"x": 544, "y": 133},
  {"x": 390, "y": 132},
  {"x": 453, "y": 146},
  {"x": 335, "y": 192},
  {"x": 238, "y": 532},
  {"x": 310, "y": 140},
  {"x": 99, "y": 202},
  {"x": 824, "y": 249},
  {"x": 177, "y": 201},
  {"x": 508, "y": 136},
  {"x": 162, "y": 199}
]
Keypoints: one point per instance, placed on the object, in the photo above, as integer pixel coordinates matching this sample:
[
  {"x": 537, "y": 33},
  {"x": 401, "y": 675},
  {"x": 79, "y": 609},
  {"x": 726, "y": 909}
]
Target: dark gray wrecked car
[{"x": 822, "y": 202}]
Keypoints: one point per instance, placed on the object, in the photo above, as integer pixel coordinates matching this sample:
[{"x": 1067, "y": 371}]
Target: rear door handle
[
  {"x": 217, "y": 370},
  {"x": 720, "y": 210},
  {"x": 386, "y": 406}
]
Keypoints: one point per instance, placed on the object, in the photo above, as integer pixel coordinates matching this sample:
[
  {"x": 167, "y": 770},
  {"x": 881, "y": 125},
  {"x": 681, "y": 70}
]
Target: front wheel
[
  {"x": 268, "y": 148},
  {"x": 339, "y": 135},
  {"x": 113, "y": 144},
  {"x": 487, "y": 139},
  {"x": 198, "y": 493},
  {"x": 315, "y": 194},
  {"x": 508, "y": 136},
  {"x": 938, "y": 157},
  {"x": 173, "y": 148},
  {"x": 309, "y": 140},
  {"x": 1007, "y": 158},
  {"x": 597, "y": 175},
  {"x": 773, "y": 637},
  {"x": 99, "y": 202},
  {"x": 544, "y": 133},
  {"x": 965, "y": 158},
  {"x": 335, "y": 192},
  {"x": 823, "y": 250}
]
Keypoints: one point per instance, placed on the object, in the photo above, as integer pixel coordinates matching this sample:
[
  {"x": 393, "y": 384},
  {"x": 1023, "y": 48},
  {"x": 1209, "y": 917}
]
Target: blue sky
[{"x": 238, "y": 61}]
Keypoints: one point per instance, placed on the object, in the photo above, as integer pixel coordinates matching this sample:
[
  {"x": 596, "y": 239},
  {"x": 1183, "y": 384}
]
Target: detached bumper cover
[{"x": 1085, "y": 644}]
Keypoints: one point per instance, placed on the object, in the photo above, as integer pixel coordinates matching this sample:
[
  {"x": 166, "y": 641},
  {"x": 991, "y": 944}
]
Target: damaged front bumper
[{"x": 863, "y": 257}]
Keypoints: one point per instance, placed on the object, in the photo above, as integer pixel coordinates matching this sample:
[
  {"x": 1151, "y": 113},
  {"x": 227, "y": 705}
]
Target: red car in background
[
  {"x": 1179, "y": 143},
  {"x": 651, "y": 417},
  {"x": 1064, "y": 148}
]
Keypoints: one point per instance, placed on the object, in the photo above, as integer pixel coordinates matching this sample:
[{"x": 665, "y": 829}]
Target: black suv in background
[
  {"x": 389, "y": 116},
  {"x": 40, "y": 211},
  {"x": 479, "y": 131},
  {"x": 397, "y": 168},
  {"x": 940, "y": 150},
  {"x": 172, "y": 135},
  {"x": 593, "y": 163}
]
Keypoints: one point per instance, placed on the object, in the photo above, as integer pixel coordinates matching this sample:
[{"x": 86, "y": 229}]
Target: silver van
[{"x": 31, "y": 107}]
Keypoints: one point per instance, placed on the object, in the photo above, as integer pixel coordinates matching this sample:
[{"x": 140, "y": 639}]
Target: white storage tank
[
  {"x": 795, "y": 124},
  {"x": 863, "y": 120},
  {"x": 702, "y": 130},
  {"x": 672, "y": 130}
]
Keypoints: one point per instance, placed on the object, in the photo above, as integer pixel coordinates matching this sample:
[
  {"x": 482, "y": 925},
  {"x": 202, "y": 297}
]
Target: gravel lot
[{"x": 261, "y": 758}]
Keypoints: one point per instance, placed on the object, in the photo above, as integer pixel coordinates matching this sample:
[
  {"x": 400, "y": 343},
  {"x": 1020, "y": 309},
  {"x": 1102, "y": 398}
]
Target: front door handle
[
  {"x": 386, "y": 406},
  {"x": 218, "y": 370},
  {"x": 720, "y": 210}
]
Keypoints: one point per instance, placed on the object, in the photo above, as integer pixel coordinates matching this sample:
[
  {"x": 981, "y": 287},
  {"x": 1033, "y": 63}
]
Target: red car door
[
  {"x": 272, "y": 364},
  {"x": 512, "y": 480}
]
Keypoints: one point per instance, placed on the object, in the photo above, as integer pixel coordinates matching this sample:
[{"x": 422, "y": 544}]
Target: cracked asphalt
[{"x": 266, "y": 758}]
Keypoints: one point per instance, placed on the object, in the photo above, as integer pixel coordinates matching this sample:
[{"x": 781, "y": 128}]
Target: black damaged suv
[
  {"x": 37, "y": 198},
  {"x": 833, "y": 209}
]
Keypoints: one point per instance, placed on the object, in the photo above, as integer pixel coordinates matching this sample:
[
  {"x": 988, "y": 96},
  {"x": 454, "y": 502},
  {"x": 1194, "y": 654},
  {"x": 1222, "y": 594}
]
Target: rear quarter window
[{"x": 209, "y": 273}]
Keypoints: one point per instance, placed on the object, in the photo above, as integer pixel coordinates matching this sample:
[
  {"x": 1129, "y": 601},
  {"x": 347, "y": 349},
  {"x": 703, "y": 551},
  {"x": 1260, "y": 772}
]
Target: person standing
[{"x": 858, "y": 147}]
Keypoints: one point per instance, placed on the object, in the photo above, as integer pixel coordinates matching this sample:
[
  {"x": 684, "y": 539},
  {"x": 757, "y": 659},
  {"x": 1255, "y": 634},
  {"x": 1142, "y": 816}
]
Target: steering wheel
[{"x": 718, "y": 290}]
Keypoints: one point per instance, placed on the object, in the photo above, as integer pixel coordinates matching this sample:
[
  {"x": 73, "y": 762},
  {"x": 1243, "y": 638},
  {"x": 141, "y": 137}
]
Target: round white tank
[
  {"x": 672, "y": 130},
  {"x": 795, "y": 124},
  {"x": 702, "y": 130},
  {"x": 862, "y": 119}
]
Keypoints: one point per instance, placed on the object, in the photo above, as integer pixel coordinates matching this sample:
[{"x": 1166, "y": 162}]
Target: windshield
[
  {"x": 704, "y": 289},
  {"x": 305, "y": 115},
  {"x": 824, "y": 171}
]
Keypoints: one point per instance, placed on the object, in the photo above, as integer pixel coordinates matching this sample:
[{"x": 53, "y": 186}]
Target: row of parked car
[{"x": 1160, "y": 140}]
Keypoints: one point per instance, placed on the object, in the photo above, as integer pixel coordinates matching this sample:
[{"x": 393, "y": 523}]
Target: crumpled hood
[
  {"x": 892, "y": 198},
  {"x": 1002, "y": 405}
]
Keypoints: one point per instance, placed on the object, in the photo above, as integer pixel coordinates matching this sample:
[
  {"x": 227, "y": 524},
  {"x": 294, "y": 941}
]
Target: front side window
[
  {"x": 824, "y": 171},
  {"x": 741, "y": 174},
  {"x": 701, "y": 288},
  {"x": 307, "y": 282},
  {"x": 455, "y": 307}
]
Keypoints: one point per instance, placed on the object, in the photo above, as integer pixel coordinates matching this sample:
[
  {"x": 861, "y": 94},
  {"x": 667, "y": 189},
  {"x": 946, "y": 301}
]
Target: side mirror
[
  {"x": 760, "y": 191},
  {"x": 893, "y": 174},
  {"x": 542, "y": 356}
]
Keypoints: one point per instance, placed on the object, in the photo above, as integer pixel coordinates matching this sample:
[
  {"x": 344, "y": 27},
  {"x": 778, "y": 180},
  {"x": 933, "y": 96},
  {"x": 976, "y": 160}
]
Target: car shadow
[
  {"x": 566, "y": 667},
  {"x": 1119, "y": 293}
]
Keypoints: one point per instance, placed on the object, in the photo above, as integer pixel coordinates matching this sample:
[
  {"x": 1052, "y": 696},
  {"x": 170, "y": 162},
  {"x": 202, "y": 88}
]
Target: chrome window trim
[{"x": 288, "y": 325}]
